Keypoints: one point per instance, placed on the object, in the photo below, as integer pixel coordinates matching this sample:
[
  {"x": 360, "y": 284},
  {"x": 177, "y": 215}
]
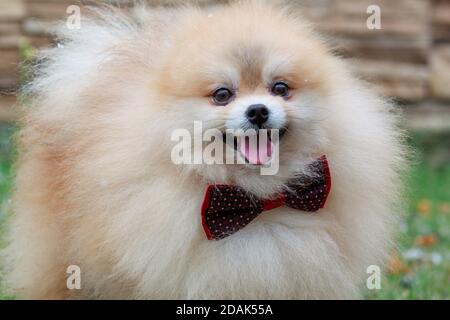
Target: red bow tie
[{"x": 227, "y": 209}]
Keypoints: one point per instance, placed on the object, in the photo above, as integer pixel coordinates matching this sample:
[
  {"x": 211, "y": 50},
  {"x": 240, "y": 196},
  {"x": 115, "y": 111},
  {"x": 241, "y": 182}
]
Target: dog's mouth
[{"x": 257, "y": 149}]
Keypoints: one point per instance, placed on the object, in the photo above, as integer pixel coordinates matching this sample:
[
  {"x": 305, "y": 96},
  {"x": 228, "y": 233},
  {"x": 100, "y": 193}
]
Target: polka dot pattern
[
  {"x": 309, "y": 194},
  {"x": 227, "y": 209},
  {"x": 230, "y": 210}
]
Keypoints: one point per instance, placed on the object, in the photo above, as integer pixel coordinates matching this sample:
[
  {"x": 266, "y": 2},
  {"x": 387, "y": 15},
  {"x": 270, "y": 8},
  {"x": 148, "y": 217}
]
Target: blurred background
[{"x": 407, "y": 60}]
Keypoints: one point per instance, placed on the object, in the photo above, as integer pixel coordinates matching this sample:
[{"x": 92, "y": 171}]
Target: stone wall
[{"x": 408, "y": 58}]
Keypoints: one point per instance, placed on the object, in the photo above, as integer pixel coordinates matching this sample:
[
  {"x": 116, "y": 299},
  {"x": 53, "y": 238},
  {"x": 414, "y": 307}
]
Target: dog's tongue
[{"x": 256, "y": 152}]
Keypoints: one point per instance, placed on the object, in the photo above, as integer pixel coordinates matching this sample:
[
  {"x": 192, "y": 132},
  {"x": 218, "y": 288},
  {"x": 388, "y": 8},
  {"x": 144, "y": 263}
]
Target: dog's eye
[
  {"x": 222, "y": 96},
  {"x": 280, "y": 89}
]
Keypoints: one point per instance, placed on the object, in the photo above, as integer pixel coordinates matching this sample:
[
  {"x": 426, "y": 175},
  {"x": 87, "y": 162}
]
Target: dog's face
[{"x": 249, "y": 70}]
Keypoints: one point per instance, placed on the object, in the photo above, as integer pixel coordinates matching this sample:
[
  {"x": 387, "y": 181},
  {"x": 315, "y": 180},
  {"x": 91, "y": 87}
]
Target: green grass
[
  {"x": 427, "y": 275},
  {"x": 424, "y": 277},
  {"x": 6, "y": 159}
]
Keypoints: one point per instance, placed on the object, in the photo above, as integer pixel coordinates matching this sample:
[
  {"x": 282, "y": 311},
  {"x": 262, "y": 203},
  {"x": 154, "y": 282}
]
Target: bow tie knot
[{"x": 227, "y": 209}]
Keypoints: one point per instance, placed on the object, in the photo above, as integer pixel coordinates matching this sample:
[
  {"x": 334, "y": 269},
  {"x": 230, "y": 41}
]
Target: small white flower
[
  {"x": 413, "y": 254},
  {"x": 436, "y": 258}
]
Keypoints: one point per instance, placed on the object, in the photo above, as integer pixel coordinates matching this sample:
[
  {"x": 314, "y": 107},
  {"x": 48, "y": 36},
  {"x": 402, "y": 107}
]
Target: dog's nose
[{"x": 257, "y": 114}]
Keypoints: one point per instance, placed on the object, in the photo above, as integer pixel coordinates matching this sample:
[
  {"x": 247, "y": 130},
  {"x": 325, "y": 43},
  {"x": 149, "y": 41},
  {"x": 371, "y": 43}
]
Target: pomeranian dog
[{"x": 98, "y": 191}]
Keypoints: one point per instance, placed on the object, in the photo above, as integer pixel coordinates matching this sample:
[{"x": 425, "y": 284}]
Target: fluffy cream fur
[{"x": 96, "y": 187}]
